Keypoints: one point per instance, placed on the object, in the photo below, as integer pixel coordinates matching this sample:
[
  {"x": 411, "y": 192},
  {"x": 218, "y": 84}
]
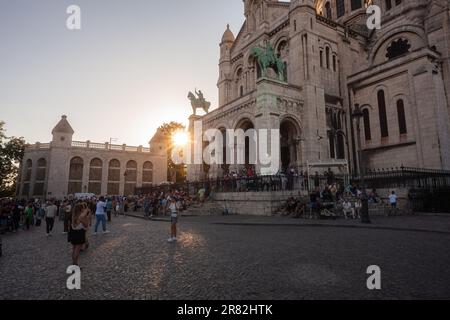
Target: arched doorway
[
  {"x": 248, "y": 146},
  {"x": 289, "y": 137}
]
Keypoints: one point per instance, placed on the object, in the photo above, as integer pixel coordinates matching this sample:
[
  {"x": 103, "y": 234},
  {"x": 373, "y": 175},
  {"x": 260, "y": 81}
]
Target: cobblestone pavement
[{"x": 242, "y": 260}]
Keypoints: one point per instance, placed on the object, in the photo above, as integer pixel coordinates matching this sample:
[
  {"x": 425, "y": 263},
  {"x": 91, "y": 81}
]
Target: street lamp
[{"x": 358, "y": 115}]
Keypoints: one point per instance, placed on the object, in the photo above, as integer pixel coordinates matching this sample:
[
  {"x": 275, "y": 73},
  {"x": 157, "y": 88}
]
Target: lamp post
[{"x": 358, "y": 115}]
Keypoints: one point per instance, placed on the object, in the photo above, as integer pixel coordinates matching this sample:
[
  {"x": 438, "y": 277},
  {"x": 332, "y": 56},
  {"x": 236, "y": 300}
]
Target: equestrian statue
[
  {"x": 198, "y": 102},
  {"x": 267, "y": 58}
]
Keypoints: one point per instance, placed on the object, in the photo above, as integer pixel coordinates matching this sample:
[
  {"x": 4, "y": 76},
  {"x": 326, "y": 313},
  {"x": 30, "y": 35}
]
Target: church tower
[
  {"x": 304, "y": 44},
  {"x": 224, "y": 82}
]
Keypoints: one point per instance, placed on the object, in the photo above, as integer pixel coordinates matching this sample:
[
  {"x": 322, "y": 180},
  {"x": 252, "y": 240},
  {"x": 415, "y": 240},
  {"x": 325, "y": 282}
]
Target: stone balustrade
[{"x": 91, "y": 145}]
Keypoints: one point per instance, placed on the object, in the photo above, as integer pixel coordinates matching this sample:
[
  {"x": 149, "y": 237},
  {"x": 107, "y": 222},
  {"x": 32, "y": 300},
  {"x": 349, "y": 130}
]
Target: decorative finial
[
  {"x": 64, "y": 117},
  {"x": 228, "y": 26}
]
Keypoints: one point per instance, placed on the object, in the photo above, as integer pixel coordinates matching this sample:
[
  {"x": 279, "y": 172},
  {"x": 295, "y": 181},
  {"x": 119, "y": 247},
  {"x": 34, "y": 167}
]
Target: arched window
[
  {"x": 388, "y": 4},
  {"x": 321, "y": 58},
  {"x": 367, "y": 131},
  {"x": 334, "y": 63},
  {"x": 340, "y": 8},
  {"x": 401, "y": 117},
  {"x": 27, "y": 177},
  {"x": 39, "y": 183},
  {"x": 28, "y": 169},
  {"x": 114, "y": 178},
  {"x": 327, "y": 57},
  {"x": 76, "y": 176},
  {"x": 328, "y": 10},
  {"x": 239, "y": 84},
  {"x": 95, "y": 176},
  {"x": 398, "y": 48},
  {"x": 356, "y": 4},
  {"x": 147, "y": 174},
  {"x": 130, "y": 178},
  {"x": 382, "y": 114}
]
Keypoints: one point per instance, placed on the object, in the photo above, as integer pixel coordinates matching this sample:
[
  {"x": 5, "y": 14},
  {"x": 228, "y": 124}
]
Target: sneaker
[
  {"x": 174, "y": 239},
  {"x": 170, "y": 240},
  {"x": 105, "y": 232},
  {"x": 94, "y": 234}
]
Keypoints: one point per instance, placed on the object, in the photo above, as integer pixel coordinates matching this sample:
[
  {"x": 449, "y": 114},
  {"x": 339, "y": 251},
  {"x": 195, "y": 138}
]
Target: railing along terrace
[
  {"x": 91, "y": 145},
  {"x": 411, "y": 178},
  {"x": 107, "y": 146},
  {"x": 294, "y": 182},
  {"x": 406, "y": 177}
]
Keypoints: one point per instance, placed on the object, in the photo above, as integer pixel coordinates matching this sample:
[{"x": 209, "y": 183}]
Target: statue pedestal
[{"x": 194, "y": 167}]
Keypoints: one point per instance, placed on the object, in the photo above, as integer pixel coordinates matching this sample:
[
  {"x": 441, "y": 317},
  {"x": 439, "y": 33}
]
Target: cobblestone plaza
[{"x": 236, "y": 258}]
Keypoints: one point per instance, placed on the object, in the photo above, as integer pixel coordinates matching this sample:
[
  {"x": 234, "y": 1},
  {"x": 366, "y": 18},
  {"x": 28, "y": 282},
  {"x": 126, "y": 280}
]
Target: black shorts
[{"x": 77, "y": 237}]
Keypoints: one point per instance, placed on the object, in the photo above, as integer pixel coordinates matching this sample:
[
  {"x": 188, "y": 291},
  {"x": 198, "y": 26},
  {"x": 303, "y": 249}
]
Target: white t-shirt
[
  {"x": 393, "y": 198},
  {"x": 173, "y": 209},
  {"x": 50, "y": 211},
  {"x": 100, "y": 208}
]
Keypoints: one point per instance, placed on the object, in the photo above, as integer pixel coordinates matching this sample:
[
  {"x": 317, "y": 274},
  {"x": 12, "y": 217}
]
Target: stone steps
[{"x": 208, "y": 208}]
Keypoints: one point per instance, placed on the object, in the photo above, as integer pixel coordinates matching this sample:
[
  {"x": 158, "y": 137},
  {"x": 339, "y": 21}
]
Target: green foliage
[
  {"x": 169, "y": 129},
  {"x": 12, "y": 150}
]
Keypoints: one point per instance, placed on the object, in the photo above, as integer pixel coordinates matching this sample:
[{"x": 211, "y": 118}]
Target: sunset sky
[{"x": 125, "y": 73}]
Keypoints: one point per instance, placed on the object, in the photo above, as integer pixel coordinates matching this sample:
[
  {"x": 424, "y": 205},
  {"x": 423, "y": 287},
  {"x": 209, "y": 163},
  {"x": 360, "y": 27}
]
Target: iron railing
[{"x": 404, "y": 177}]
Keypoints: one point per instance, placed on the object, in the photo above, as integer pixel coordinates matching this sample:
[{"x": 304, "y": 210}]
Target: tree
[
  {"x": 12, "y": 150},
  {"x": 169, "y": 129}
]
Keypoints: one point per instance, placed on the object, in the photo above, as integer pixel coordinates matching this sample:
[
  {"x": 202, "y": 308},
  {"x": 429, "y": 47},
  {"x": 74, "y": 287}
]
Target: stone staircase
[{"x": 208, "y": 208}]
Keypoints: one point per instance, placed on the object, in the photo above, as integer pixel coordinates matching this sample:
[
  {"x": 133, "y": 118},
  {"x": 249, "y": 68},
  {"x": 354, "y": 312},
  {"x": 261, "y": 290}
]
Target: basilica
[{"x": 342, "y": 93}]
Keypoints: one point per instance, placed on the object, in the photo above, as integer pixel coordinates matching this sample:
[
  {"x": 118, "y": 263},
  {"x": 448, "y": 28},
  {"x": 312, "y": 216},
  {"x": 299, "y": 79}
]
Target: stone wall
[{"x": 254, "y": 203}]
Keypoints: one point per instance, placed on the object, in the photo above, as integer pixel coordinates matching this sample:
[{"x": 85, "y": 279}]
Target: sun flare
[{"x": 180, "y": 138}]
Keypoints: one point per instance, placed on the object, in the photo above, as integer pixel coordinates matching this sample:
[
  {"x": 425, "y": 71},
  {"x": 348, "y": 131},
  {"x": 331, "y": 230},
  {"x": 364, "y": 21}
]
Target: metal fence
[
  {"x": 405, "y": 177},
  {"x": 412, "y": 178}
]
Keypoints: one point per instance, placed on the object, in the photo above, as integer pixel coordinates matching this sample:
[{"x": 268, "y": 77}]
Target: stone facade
[
  {"x": 399, "y": 75},
  {"x": 64, "y": 167}
]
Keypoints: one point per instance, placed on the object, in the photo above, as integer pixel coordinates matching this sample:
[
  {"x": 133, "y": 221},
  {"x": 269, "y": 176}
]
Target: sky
[{"x": 126, "y": 72}]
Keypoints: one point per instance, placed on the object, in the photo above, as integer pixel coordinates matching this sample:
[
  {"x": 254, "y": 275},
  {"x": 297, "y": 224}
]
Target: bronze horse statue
[
  {"x": 198, "y": 103},
  {"x": 267, "y": 58}
]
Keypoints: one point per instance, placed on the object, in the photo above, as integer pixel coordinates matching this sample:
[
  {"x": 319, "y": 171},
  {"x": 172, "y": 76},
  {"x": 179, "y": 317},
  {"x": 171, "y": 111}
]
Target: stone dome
[{"x": 228, "y": 36}]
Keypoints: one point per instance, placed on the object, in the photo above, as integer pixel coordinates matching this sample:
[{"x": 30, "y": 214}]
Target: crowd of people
[
  {"x": 78, "y": 216},
  {"x": 331, "y": 201}
]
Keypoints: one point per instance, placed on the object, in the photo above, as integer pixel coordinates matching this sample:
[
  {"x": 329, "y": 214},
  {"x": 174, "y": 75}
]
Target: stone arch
[
  {"x": 130, "y": 177},
  {"x": 290, "y": 132},
  {"x": 327, "y": 10},
  {"x": 245, "y": 150},
  {"x": 245, "y": 116},
  {"x": 147, "y": 174},
  {"x": 239, "y": 81},
  {"x": 414, "y": 34},
  {"x": 251, "y": 67},
  {"x": 406, "y": 121},
  {"x": 95, "y": 176},
  {"x": 76, "y": 175},
  {"x": 27, "y": 171},
  {"x": 39, "y": 180},
  {"x": 113, "y": 177}
]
